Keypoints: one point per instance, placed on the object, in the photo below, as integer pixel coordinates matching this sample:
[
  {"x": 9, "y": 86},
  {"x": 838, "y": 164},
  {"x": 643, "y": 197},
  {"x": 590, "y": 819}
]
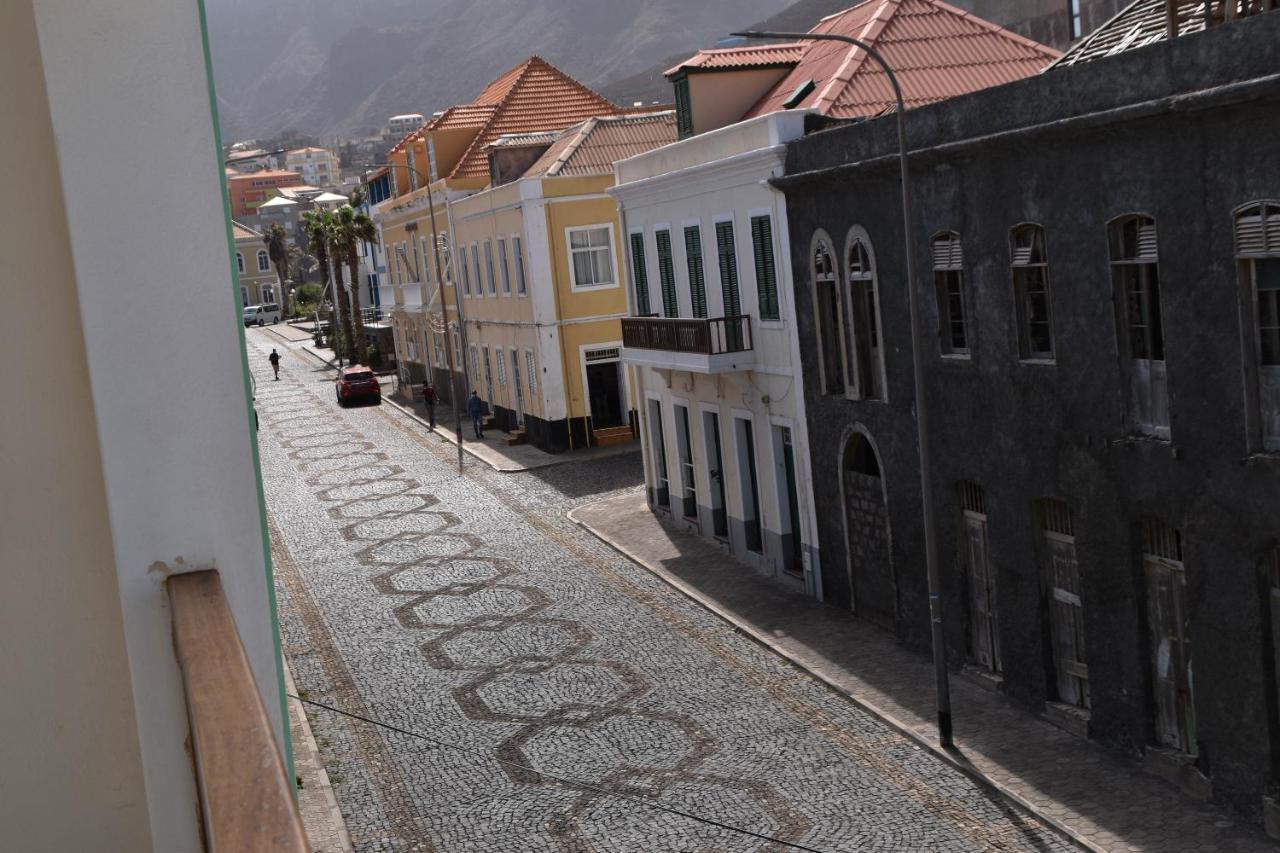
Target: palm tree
[
  {"x": 337, "y": 253},
  {"x": 318, "y": 226},
  {"x": 278, "y": 249},
  {"x": 354, "y": 227}
]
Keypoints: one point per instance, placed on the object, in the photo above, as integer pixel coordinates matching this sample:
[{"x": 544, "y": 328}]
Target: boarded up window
[
  {"x": 1031, "y": 292},
  {"x": 1061, "y": 574},
  {"x": 827, "y": 308},
  {"x": 1258, "y": 248},
  {"x": 1135, "y": 278},
  {"x": 1170, "y": 642},
  {"x": 984, "y": 635}
]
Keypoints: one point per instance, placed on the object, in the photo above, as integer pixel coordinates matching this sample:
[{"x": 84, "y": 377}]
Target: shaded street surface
[{"x": 561, "y": 696}]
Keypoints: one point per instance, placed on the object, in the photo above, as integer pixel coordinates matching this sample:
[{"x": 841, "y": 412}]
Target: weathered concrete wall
[{"x": 1026, "y": 431}]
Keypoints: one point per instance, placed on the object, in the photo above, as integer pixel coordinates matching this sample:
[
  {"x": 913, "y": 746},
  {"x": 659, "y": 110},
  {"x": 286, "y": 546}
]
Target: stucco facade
[
  {"x": 1095, "y": 311},
  {"x": 724, "y": 434}
]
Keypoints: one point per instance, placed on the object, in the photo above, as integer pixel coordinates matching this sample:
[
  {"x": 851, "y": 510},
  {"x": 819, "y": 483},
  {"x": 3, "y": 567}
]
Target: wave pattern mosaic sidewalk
[{"x": 576, "y": 687}]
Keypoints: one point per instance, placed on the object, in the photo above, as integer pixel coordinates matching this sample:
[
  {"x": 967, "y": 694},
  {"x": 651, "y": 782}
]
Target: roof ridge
[
  {"x": 878, "y": 21},
  {"x": 585, "y": 129}
]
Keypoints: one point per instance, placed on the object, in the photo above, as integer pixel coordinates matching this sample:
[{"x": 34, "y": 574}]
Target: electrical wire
[{"x": 561, "y": 779}]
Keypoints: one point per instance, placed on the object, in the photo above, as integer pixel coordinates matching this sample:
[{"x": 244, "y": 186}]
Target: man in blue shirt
[{"x": 475, "y": 408}]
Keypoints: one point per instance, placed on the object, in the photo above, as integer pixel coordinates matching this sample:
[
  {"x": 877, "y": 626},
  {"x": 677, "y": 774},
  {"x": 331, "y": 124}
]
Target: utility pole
[{"x": 941, "y": 678}]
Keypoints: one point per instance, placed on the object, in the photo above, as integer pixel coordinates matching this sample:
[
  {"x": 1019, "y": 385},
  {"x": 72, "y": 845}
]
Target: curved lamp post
[
  {"x": 943, "y": 687},
  {"x": 457, "y": 300}
]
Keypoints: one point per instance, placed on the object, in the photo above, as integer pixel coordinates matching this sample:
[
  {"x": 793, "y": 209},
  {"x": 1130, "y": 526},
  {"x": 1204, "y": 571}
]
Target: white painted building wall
[
  {"x": 709, "y": 178},
  {"x": 130, "y": 97}
]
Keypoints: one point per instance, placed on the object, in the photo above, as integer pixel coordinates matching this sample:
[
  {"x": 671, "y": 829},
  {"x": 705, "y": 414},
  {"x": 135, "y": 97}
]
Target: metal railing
[
  {"x": 703, "y": 336},
  {"x": 246, "y": 797}
]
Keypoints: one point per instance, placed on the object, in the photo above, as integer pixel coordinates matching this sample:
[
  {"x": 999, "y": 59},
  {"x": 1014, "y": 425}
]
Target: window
[
  {"x": 1075, "y": 18},
  {"x": 244, "y": 295},
  {"x": 1170, "y": 643},
  {"x": 667, "y": 274},
  {"x": 475, "y": 364},
  {"x": 417, "y": 261},
  {"x": 827, "y": 310},
  {"x": 727, "y": 252},
  {"x": 591, "y": 256},
  {"x": 639, "y": 275},
  {"x": 865, "y": 357},
  {"x": 239, "y": 263},
  {"x": 517, "y": 251},
  {"x": 1258, "y": 251},
  {"x": 1030, "y": 269},
  {"x": 1141, "y": 331},
  {"x": 427, "y": 277},
  {"x": 766, "y": 271},
  {"x": 531, "y": 371},
  {"x": 502, "y": 265},
  {"x": 446, "y": 259},
  {"x": 465, "y": 274},
  {"x": 1060, "y": 572},
  {"x": 697, "y": 280},
  {"x": 475, "y": 269},
  {"x": 502, "y": 368},
  {"x": 488, "y": 266},
  {"x": 684, "y": 106},
  {"x": 268, "y": 294},
  {"x": 948, "y": 281}
]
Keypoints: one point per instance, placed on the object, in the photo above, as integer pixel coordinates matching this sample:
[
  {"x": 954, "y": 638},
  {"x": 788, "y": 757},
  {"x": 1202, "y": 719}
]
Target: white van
[{"x": 257, "y": 315}]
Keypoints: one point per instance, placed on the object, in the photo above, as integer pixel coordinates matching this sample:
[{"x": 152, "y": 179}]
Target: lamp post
[
  {"x": 942, "y": 684},
  {"x": 457, "y": 301}
]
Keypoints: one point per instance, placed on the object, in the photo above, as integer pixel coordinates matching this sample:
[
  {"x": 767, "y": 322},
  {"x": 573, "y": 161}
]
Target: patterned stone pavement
[{"x": 563, "y": 694}]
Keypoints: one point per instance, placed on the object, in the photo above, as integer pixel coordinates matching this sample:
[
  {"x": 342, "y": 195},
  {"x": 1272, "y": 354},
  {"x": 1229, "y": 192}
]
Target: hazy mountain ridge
[{"x": 323, "y": 67}]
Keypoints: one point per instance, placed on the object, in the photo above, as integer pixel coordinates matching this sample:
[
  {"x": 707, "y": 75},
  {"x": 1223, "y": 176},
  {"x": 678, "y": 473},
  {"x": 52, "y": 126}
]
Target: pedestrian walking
[
  {"x": 429, "y": 397},
  {"x": 475, "y": 408},
  {"x": 274, "y": 358}
]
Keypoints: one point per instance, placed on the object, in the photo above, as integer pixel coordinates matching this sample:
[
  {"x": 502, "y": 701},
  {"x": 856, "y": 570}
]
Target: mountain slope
[{"x": 322, "y": 67}]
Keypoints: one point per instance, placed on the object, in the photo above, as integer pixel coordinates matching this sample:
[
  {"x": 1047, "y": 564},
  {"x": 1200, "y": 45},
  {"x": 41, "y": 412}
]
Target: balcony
[{"x": 694, "y": 345}]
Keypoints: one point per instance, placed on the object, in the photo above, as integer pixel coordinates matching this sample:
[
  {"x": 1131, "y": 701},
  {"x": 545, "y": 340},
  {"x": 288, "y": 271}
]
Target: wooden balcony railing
[
  {"x": 246, "y": 797},
  {"x": 714, "y": 336}
]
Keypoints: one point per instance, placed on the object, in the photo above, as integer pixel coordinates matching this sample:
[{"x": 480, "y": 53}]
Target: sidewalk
[
  {"x": 321, "y": 817},
  {"x": 1102, "y": 801},
  {"x": 290, "y": 334}
]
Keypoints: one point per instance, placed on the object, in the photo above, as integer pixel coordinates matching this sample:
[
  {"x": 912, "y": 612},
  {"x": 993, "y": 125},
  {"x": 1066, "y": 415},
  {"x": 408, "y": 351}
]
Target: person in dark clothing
[
  {"x": 429, "y": 397},
  {"x": 475, "y": 408},
  {"x": 274, "y": 358}
]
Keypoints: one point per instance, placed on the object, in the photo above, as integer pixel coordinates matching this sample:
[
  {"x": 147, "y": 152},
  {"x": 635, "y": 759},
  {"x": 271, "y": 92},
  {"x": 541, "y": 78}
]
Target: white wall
[{"x": 129, "y": 96}]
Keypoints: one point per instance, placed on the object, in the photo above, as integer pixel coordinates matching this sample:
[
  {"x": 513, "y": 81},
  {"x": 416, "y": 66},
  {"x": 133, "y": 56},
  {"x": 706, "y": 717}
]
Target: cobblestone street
[{"x": 551, "y": 695}]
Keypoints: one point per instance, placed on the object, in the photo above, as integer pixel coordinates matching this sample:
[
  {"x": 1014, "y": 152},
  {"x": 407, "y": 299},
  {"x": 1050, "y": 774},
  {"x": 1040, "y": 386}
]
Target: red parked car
[{"x": 357, "y": 383}]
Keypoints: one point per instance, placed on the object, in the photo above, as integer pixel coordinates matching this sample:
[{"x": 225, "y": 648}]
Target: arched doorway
[{"x": 872, "y": 585}]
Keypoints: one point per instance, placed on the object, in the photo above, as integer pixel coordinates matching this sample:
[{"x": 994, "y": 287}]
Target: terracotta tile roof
[
  {"x": 533, "y": 96},
  {"x": 243, "y": 232},
  {"x": 592, "y": 147},
  {"x": 1138, "y": 25},
  {"x": 264, "y": 173},
  {"x": 751, "y": 56},
  {"x": 525, "y": 140},
  {"x": 937, "y": 51},
  {"x": 463, "y": 115}
]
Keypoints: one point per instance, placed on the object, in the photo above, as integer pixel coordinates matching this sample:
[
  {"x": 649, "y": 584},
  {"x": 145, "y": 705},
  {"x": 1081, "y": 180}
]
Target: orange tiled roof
[
  {"x": 463, "y": 115},
  {"x": 937, "y": 51},
  {"x": 751, "y": 56},
  {"x": 264, "y": 173},
  {"x": 592, "y": 147},
  {"x": 244, "y": 232},
  {"x": 533, "y": 96}
]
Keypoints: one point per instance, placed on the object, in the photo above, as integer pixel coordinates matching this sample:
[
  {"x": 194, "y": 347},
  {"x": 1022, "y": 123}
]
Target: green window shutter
[
  {"x": 667, "y": 274},
  {"x": 728, "y": 269},
  {"x": 766, "y": 272},
  {"x": 640, "y": 275},
  {"x": 697, "y": 281},
  {"x": 684, "y": 107}
]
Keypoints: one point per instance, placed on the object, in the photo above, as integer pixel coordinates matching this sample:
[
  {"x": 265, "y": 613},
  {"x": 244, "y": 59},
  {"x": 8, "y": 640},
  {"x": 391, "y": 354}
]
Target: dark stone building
[{"x": 1098, "y": 264}]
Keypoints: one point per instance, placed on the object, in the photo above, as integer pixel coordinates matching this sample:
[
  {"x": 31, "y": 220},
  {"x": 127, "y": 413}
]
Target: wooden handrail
[
  {"x": 246, "y": 797},
  {"x": 714, "y": 336}
]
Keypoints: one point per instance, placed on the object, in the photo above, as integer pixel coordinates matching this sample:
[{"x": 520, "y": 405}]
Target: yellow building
[
  {"x": 542, "y": 283},
  {"x": 258, "y": 282}
]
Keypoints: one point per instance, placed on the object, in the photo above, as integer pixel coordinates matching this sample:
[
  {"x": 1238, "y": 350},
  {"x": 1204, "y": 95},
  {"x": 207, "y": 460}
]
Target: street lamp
[
  {"x": 457, "y": 301},
  {"x": 943, "y": 687}
]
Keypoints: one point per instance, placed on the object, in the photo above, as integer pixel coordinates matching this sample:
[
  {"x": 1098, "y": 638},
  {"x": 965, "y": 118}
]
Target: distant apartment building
[
  {"x": 249, "y": 160},
  {"x": 247, "y": 191},
  {"x": 317, "y": 166},
  {"x": 714, "y": 339},
  {"x": 405, "y": 123},
  {"x": 258, "y": 281},
  {"x": 1098, "y": 267}
]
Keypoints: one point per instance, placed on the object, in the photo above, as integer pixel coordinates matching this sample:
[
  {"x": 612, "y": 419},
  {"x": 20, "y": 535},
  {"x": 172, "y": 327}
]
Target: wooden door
[
  {"x": 1170, "y": 653},
  {"x": 1066, "y": 618},
  {"x": 984, "y": 637}
]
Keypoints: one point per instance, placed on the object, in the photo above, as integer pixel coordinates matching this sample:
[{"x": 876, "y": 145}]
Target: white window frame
[
  {"x": 475, "y": 268},
  {"x": 502, "y": 262},
  {"x": 267, "y": 293},
  {"x": 264, "y": 260},
  {"x": 613, "y": 257},
  {"x": 492, "y": 280},
  {"x": 517, "y": 255}
]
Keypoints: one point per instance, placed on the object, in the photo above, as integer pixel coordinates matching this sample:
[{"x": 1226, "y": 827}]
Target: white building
[
  {"x": 318, "y": 166},
  {"x": 712, "y": 343},
  {"x": 406, "y": 123}
]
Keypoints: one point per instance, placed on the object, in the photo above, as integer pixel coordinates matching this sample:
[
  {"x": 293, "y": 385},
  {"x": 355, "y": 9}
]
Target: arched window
[
  {"x": 865, "y": 354},
  {"x": 239, "y": 263},
  {"x": 264, "y": 261},
  {"x": 1258, "y": 251},
  {"x": 827, "y": 311},
  {"x": 1136, "y": 284},
  {"x": 948, "y": 283},
  {"x": 1030, "y": 269}
]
